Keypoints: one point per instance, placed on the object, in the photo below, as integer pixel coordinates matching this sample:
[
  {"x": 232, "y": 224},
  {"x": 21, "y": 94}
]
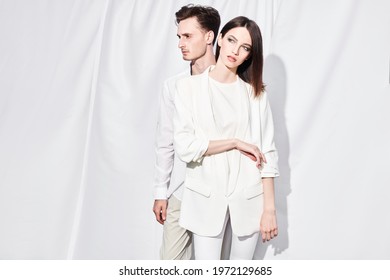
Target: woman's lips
[{"x": 231, "y": 59}]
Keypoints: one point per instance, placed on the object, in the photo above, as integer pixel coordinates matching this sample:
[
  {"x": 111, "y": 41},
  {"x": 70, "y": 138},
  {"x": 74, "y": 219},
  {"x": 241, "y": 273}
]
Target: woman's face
[{"x": 235, "y": 46}]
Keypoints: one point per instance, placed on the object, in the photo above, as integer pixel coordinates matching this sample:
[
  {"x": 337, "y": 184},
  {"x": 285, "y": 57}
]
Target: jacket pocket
[
  {"x": 253, "y": 190},
  {"x": 198, "y": 187}
]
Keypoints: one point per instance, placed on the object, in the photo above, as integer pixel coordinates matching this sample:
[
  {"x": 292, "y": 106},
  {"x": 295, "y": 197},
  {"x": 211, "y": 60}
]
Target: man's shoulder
[
  {"x": 172, "y": 80},
  {"x": 190, "y": 80}
]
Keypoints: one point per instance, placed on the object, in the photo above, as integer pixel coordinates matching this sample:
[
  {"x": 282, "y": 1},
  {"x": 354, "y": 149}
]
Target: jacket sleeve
[
  {"x": 189, "y": 145},
  {"x": 270, "y": 169},
  {"x": 164, "y": 144}
]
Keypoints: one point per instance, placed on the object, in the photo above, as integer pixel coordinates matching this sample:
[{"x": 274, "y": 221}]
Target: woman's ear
[{"x": 219, "y": 39}]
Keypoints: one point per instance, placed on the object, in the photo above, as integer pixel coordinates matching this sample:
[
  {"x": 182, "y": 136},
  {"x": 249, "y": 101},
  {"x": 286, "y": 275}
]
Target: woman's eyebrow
[{"x": 246, "y": 44}]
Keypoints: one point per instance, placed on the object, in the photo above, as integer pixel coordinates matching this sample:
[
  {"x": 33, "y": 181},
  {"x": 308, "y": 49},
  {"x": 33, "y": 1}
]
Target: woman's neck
[{"x": 223, "y": 74}]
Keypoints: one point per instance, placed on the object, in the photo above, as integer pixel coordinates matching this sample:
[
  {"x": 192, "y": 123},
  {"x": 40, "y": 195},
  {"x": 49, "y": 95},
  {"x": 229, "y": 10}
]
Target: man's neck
[{"x": 199, "y": 65}]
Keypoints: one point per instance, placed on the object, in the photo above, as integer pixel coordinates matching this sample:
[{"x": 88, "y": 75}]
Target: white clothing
[
  {"x": 209, "y": 248},
  {"x": 169, "y": 169},
  {"x": 227, "y": 101},
  {"x": 209, "y": 189}
]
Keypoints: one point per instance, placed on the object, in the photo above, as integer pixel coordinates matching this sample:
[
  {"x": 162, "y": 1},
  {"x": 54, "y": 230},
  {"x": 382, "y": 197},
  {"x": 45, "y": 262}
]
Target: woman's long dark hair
[{"x": 251, "y": 70}]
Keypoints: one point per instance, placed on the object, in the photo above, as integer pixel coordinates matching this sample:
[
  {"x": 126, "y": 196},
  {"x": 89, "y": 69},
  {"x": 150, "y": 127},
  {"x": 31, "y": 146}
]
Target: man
[{"x": 197, "y": 29}]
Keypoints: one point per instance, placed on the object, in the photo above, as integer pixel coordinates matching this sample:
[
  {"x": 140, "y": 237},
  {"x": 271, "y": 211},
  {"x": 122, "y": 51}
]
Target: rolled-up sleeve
[
  {"x": 189, "y": 145},
  {"x": 270, "y": 169}
]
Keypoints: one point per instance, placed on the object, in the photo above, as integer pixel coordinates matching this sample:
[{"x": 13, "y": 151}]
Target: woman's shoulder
[
  {"x": 262, "y": 97},
  {"x": 248, "y": 87}
]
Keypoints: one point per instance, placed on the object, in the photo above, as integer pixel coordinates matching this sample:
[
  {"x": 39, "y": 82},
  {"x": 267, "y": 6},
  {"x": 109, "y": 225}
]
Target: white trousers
[{"x": 209, "y": 248}]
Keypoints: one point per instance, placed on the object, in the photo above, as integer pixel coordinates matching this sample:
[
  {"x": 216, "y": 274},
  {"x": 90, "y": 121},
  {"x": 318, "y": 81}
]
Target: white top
[
  {"x": 169, "y": 169},
  {"x": 225, "y": 100},
  {"x": 226, "y": 105}
]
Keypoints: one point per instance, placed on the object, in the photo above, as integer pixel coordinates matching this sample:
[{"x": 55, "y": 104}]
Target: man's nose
[{"x": 180, "y": 44}]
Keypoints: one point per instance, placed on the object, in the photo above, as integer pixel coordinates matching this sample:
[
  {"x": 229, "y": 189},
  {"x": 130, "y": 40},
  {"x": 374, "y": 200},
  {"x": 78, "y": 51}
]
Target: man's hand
[{"x": 160, "y": 210}]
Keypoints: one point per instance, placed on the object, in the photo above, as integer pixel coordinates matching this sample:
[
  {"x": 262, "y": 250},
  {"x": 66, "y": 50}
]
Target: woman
[{"x": 223, "y": 130}]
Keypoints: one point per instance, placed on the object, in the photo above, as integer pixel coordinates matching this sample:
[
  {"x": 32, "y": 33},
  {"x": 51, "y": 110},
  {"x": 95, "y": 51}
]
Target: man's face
[{"x": 192, "y": 39}]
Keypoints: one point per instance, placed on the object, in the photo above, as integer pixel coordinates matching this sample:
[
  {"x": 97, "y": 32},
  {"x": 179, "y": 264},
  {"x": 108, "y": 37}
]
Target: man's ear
[{"x": 210, "y": 37}]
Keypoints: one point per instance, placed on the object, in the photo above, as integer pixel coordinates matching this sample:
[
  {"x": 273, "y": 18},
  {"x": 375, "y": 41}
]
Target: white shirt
[
  {"x": 226, "y": 105},
  {"x": 169, "y": 169}
]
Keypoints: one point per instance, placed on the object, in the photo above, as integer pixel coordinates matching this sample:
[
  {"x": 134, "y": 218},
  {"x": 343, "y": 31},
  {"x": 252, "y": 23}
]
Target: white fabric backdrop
[{"x": 79, "y": 87}]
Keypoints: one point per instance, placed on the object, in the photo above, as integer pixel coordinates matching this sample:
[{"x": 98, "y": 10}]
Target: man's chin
[{"x": 186, "y": 58}]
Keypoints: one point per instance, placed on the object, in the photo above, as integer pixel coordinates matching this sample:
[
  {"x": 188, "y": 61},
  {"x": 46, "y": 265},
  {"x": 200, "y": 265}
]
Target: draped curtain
[{"x": 79, "y": 89}]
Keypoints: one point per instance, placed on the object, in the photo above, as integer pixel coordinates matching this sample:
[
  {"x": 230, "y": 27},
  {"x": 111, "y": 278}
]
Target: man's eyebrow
[{"x": 184, "y": 34}]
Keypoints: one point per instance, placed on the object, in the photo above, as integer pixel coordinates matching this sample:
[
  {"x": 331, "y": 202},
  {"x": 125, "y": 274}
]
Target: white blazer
[{"x": 206, "y": 198}]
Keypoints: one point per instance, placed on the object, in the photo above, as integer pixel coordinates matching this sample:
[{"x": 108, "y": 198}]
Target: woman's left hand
[{"x": 268, "y": 225}]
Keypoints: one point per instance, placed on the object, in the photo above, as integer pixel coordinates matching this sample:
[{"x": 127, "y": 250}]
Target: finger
[
  {"x": 158, "y": 217},
  {"x": 263, "y": 159},
  {"x": 249, "y": 155},
  {"x": 161, "y": 220},
  {"x": 260, "y": 164},
  {"x": 263, "y": 236},
  {"x": 164, "y": 214},
  {"x": 157, "y": 213},
  {"x": 258, "y": 160},
  {"x": 268, "y": 236}
]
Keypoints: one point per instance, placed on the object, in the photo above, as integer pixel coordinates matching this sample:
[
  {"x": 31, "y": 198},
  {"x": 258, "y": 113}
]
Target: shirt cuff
[{"x": 160, "y": 193}]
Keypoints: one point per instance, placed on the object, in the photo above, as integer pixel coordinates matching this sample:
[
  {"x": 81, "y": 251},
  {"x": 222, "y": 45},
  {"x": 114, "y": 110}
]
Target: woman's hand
[
  {"x": 251, "y": 151},
  {"x": 268, "y": 225}
]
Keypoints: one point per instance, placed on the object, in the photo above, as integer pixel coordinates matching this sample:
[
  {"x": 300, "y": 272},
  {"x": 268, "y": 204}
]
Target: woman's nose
[{"x": 235, "y": 50}]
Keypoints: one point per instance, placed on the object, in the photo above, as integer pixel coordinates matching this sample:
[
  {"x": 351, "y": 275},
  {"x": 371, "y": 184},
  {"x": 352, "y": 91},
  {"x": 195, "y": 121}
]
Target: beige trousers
[{"x": 177, "y": 241}]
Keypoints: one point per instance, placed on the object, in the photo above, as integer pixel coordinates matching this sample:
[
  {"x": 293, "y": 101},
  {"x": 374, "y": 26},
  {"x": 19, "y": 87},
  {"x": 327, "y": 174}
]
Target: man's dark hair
[{"x": 207, "y": 16}]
